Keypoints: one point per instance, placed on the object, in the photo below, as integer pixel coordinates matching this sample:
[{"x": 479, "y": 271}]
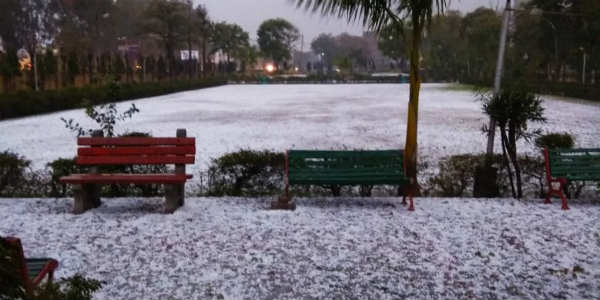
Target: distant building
[{"x": 130, "y": 49}]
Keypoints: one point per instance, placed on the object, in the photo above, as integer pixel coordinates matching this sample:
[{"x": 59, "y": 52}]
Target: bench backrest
[
  {"x": 135, "y": 150},
  {"x": 345, "y": 167},
  {"x": 573, "y": 164}
]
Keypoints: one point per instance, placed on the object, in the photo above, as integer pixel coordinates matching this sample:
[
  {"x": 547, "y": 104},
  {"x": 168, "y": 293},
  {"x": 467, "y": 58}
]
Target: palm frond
[{"x": 376, "y": 14}]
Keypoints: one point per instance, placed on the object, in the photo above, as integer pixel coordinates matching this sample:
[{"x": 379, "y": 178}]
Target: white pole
[{"x": 498, "y": 77}]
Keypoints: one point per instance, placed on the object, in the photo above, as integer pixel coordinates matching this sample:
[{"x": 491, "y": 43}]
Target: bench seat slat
[
  {"x": 116, "y": 151},
  {"x": 125, "y": 178},
  {"x": 355, "y": 181},
  {"x": 133, "y": 141},
  {"x": 346, "y": 175},
  {"x": 343, "y": 153},
  {"x": 135, "y": 160},
  {"x": 357, "y": 170},
  {"x": 35, "y": 266}
]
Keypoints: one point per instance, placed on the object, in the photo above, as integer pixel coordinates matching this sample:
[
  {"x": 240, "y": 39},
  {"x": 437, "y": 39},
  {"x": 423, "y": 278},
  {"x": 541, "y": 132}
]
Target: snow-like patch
[
  {"x": 234, "y": 248},
  {"x": 279, "y": 117}
]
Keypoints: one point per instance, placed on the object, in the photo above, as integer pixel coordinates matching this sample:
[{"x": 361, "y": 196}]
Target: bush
[
  {"x": 456, "y": 174},
  {"x": 10, "y": 281},
  {"x": 246, "y": 173},
  {"x": 25, "y": 103},
  {"x": 12, "y": 171},
  {"x": 555, "y": 141},
  {"x": 76, "y": 287},
  {"x": 59, "y": 168}
]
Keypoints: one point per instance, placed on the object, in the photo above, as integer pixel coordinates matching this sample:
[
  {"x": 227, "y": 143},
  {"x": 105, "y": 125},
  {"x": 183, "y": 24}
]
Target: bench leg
[
  {"x": 175, "y": 196},
  {"x": 85, "y": 196},
  {"x": 557, "y": 192},
  {"x": 411, "y": 206},
  {"x": 284, "y": 201}
]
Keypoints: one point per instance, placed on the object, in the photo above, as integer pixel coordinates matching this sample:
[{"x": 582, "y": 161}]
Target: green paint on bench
[
  {"x": 346, "y": 167},
  {"x": 575, "y": 164},
  {"x": 564, "y": 165},
  {"x": 331, "y": 167},
  {"x": 35, "y": 266}
]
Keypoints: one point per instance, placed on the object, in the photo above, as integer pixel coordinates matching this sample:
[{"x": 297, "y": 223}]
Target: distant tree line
[
  {"x": 548, "y": 43},
  {"x": 75, "y": 42}
]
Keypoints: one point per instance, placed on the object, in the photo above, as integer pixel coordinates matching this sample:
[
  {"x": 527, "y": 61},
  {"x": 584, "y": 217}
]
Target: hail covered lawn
[
  {"x": 234, "y": 248},
  {"x": 279, "y": 117}
]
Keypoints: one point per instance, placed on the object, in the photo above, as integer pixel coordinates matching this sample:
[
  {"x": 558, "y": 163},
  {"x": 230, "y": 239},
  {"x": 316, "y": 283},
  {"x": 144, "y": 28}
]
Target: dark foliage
[
  {"x": 456, "y": 174},
  {"x": 247, "y": 173},
  {"x": 12, "y": 170},
  {"x": 555, "y": 141},
  {"x": 25, "y": 103}
]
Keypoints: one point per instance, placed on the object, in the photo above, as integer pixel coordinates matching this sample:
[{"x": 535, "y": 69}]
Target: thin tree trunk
[
  {"x": 505, "y": 158},
  {"x": 512, "y": 152},
  {"x": 410, "y": 151}
]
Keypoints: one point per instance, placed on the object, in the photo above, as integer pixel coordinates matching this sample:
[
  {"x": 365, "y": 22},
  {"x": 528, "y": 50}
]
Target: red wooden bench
[
  {"x": 32, "y": 271},
  {"x": 98, "y": 150}
]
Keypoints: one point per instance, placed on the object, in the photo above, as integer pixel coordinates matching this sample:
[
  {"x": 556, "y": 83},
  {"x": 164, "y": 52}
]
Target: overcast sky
[{"x": 251, "y": 13}]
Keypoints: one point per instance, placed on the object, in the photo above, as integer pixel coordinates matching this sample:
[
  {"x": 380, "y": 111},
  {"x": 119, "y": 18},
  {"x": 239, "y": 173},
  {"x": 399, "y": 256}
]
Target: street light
[{"x": 270, "y": 68}]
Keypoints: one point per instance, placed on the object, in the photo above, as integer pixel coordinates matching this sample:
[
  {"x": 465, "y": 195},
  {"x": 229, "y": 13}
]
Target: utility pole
[{"x": 498, "y": 77}]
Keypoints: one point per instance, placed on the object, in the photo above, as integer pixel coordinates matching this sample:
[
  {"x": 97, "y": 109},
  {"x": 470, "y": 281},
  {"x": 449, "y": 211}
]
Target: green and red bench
[
  {"x": 100, "y": 151},
  {"x": 29, "y": 272},
  {"x": 330, "y": 167},
  {"x": 566, "y": 165}
]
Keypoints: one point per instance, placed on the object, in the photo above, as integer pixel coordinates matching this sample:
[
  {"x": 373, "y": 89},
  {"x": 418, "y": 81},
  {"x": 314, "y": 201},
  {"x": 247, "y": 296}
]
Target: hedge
[{"x": 27, "y": 103}]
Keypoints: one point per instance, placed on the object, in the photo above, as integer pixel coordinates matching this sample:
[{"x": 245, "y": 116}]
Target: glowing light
[
  {"x": 138, "y": 67},
  {"x": 270, "y": 68},
  {"x": 296, "y": 69}
]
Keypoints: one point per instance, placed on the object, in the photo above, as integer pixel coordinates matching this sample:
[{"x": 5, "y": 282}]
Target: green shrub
[
  {"x": 555, "y": 141},
  {"x": 59, "y": 168},
  {"x": 25, "y": 103},
  {"x": 456, "y": 174},
  {"x": 246, "y": 173},
  {"x": 75, "y": 287},
  {"x": 10, "y": 280},
  {"x": 12, "y": 170}
]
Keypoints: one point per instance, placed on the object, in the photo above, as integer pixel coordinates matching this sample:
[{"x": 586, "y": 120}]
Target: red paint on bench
[{"x": 126, "y": 178}]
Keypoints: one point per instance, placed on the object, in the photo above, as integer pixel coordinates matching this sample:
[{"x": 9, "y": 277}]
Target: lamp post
[{"x": 498, "y": 76}]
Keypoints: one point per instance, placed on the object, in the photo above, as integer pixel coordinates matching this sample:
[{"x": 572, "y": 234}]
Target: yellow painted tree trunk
[{"x": 410, "y": 150}]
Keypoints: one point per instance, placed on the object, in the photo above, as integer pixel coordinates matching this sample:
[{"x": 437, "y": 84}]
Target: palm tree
[{"x": 377, "y": 14}]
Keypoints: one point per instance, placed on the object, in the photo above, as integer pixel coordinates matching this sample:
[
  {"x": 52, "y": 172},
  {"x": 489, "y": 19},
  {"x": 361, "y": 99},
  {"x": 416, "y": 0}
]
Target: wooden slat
[
  {"x": 35, "y": 266},
  {"x": 135, "y": 160},
  {"x": 346, "y": 167},
  {"x": 575, "y": 164},
  {"x": 117, "y": 151},
  {"x": 134, "y": 141},
  {"x": 125, "y": 178},
  {"x": 352, "y": 181}
]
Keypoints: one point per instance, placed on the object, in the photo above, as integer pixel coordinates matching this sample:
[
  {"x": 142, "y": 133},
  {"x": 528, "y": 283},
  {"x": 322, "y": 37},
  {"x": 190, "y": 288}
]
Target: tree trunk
[
  {"x": 410, "y": 151},
  {"x": 512, "y": 151},
  {"x": 506, "y": 161},
  {"x": 35, "y": 71},
  {"x": 204, "y": 57}
]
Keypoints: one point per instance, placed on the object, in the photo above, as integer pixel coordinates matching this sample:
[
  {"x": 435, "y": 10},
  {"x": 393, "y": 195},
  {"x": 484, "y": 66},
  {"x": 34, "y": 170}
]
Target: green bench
[
  {"x": 566, "y": 165},
  {"x": 336, "y": 168}
]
